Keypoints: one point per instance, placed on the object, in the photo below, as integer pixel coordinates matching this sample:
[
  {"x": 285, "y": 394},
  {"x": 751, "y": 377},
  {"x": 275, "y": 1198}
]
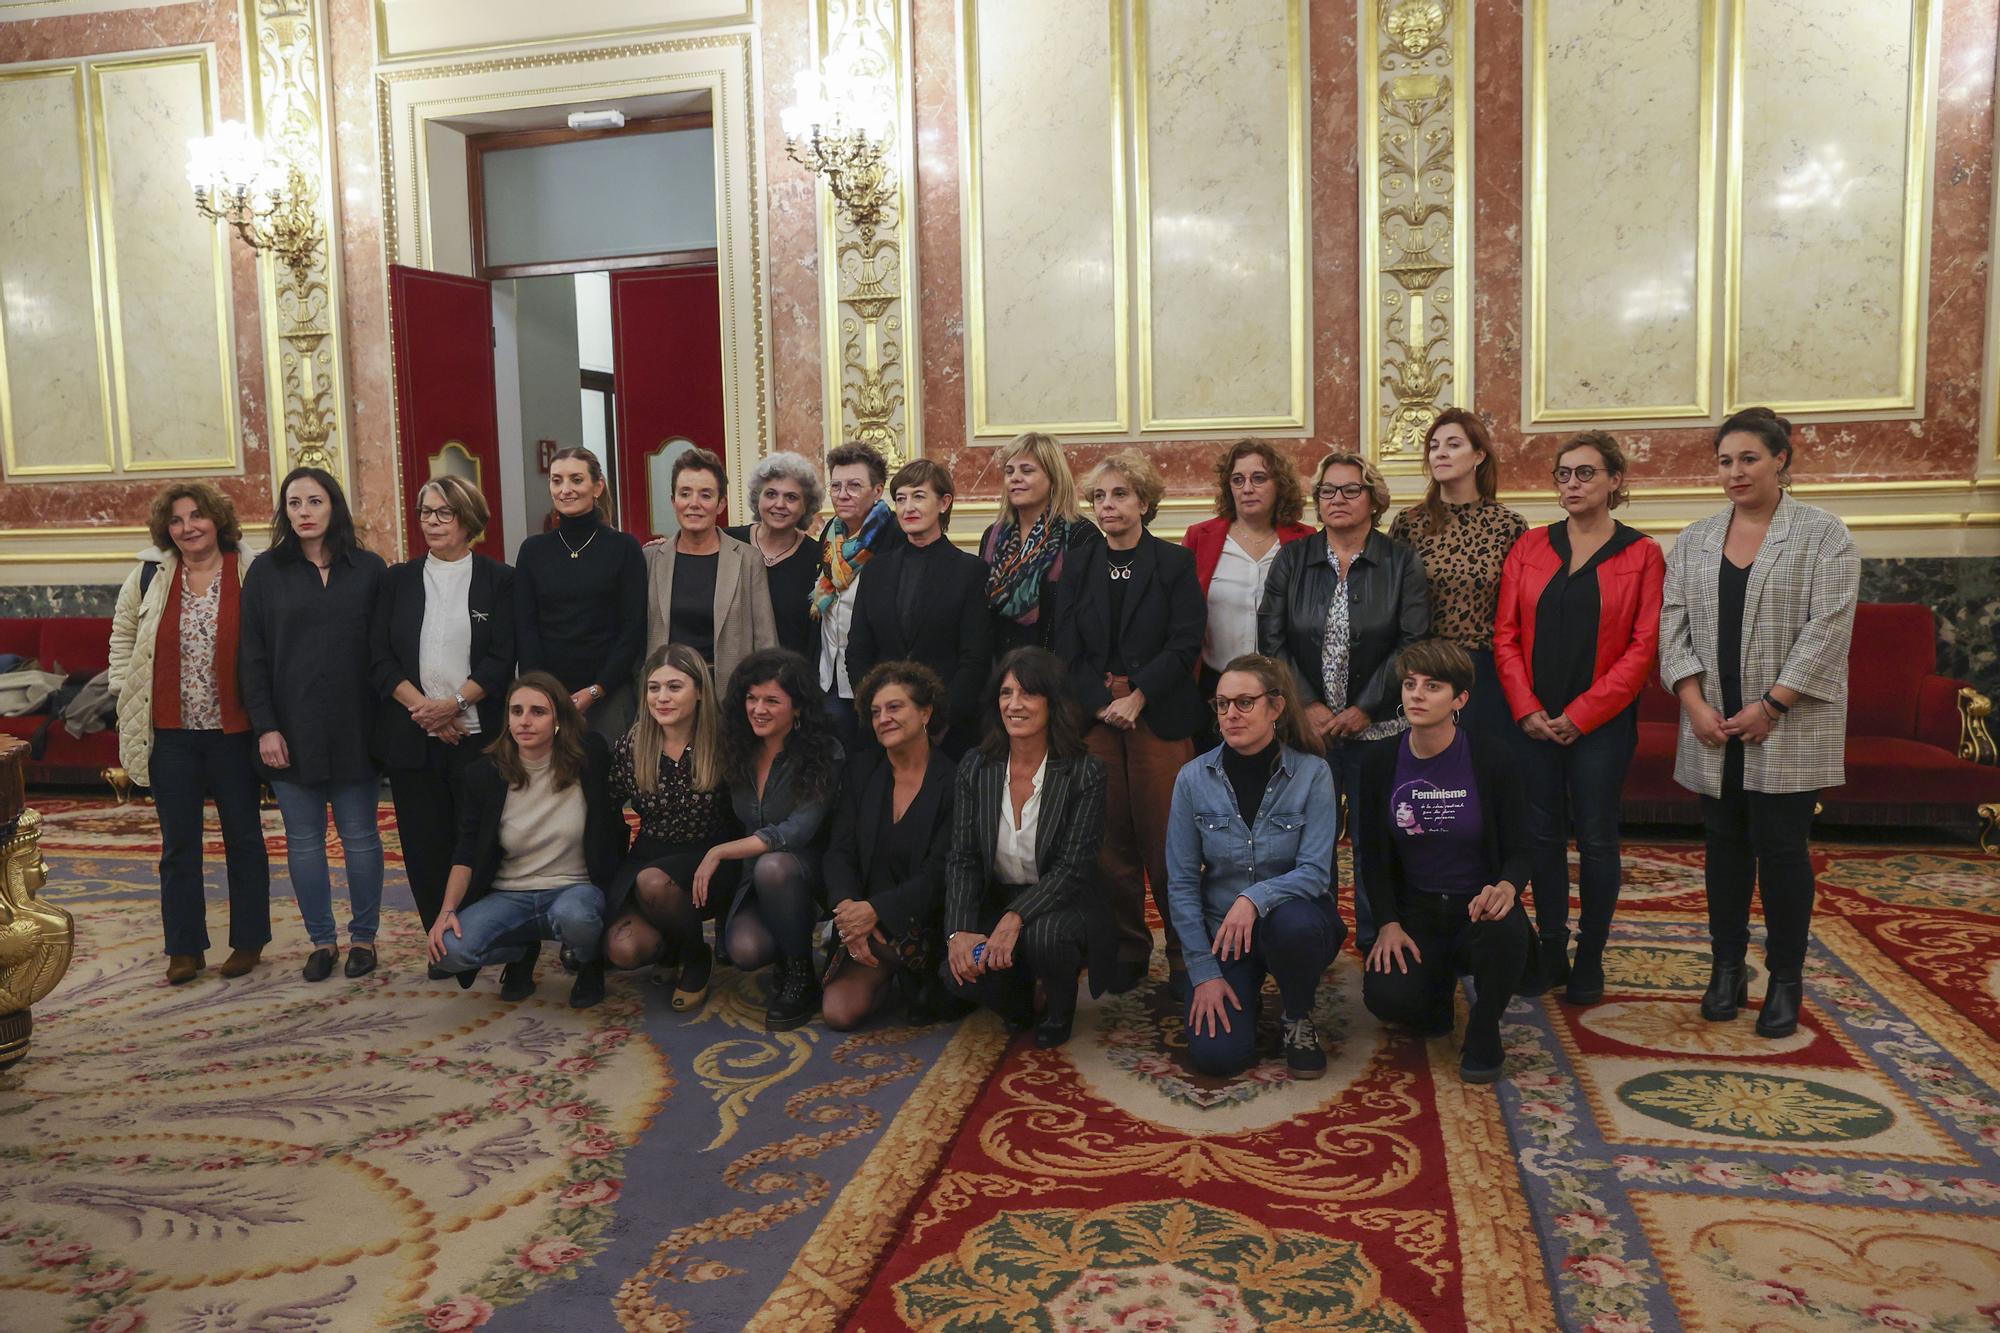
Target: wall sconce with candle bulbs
[
  {"x": 832, "y": 131},
  {"x": 266, "y": 198}
]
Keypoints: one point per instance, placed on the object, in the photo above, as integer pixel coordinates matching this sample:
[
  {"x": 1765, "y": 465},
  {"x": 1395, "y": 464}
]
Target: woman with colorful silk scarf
[
  {"x": 863, "y": 525},
  {"x": 1027, "y": 548}
]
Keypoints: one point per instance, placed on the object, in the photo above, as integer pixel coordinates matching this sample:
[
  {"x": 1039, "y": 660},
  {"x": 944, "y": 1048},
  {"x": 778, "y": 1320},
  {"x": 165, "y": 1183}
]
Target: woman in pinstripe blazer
[
  {"x": 1022, "y": 900},
  {"x": 1754, "y": 628}
]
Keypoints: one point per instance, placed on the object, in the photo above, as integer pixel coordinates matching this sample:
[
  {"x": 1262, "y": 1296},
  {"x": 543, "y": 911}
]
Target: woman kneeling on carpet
[
  {"x": 669, "y": 766},
  {"x": 538, "y": 832},
  {"x": 783, "y": 765},
  {"x": 1250, "y": 873},
  {"x": 1441, "y": 841},
  {"x": 885, "y": 865},
  {"x": 1028, "y": 816}
]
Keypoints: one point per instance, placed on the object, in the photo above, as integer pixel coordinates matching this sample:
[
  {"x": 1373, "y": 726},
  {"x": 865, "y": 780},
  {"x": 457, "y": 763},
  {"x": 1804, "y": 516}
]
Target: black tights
[
  {"x": 856, "y": 992},
  {"x": 775, "y": 919},
  {"x": 661, "y": 924}
]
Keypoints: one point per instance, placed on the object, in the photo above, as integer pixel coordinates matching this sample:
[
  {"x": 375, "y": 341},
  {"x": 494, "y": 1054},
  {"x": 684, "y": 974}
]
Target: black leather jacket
[{"x": 1388, "y": 608}]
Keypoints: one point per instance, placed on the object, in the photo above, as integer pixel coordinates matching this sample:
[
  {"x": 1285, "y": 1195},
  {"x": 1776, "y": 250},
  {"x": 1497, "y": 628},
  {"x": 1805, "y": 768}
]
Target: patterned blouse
[
  {"x": 1335, "y": 650},
  {"x": 1462, "y": 561},
  {"x": 201, "y": 694},
  {"x": 675, "y": 811}
]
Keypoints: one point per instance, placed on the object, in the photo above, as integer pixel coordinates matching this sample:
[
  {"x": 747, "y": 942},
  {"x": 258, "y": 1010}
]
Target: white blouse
[
  {"x": 1233, "y": 594},
  {"x": 444, "y": 644},
  {"x": 1014, "y": 853}
]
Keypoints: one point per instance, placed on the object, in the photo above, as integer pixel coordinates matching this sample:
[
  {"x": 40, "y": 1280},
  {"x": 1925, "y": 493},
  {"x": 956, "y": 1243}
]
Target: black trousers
[
  {"x": 1494, "y": 952},
  {"x": 1759, "y": 842},
  {"x": 189, "y": 768},
  {"x": 427, "y": 809},
  {"x": 1051, "y": 950}
]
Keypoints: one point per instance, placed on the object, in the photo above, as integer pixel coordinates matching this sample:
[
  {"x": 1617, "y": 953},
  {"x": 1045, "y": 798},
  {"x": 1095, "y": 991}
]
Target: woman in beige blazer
[
  {"x": 1754, "y": 628},
  {"x": 704, "y": 588}
]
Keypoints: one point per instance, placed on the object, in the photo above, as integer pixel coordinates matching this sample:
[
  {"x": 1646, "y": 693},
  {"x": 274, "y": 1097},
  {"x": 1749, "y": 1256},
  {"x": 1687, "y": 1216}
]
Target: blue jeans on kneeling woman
[
  {"x": 1295, "y": 943},
  {"x": 503, "y": 925}
]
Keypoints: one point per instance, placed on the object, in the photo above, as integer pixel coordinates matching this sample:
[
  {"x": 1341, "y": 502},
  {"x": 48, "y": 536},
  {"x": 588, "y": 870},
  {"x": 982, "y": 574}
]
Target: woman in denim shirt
[
  {"x": 1250, "y": 872},
  {"x": 783, "y": 764}
]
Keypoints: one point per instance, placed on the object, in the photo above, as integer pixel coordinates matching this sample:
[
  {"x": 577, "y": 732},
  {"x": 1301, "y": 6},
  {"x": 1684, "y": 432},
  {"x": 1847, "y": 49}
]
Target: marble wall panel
[
  {"x": 1621, "y": 221},
  {"x": 1825, "y": 134},
  {"x": 1222, "y": 338},
  {"x": 1045, "y": 264},
  {"x": 791, "y": 240},
  {"x": 164, "y": 268},
  {"x": 411, "y": 28},
  {"x": 53, "y": 410}
]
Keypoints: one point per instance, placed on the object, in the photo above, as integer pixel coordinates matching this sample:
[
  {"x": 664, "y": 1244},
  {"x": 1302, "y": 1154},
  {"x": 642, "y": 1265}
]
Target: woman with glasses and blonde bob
[
  {"x": 1029, "y": 546},
  {"x": 1337, "y": 609},
  {"x": 1250, "y": 873},
  {"x": 1575, "y": 640},
  {"x": 442, "y": 647}
]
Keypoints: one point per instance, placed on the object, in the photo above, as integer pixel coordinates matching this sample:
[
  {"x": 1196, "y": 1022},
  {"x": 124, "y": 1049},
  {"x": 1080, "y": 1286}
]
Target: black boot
[
  {"x": 1483, "y": 1056},
  {"x": 517, "y": 979},
  {"x": 1728, "y": 990},
  {"x": 1780, "y": 1015},
  {"x": 796, "y": 1001},
  {"x": 589, "y": 987},
  {"x": 1586, "y": 975}
]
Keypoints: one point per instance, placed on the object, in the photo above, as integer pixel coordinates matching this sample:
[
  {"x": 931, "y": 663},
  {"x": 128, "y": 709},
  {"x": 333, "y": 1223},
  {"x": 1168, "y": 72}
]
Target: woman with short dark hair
[{"x": 305, "y": 671}]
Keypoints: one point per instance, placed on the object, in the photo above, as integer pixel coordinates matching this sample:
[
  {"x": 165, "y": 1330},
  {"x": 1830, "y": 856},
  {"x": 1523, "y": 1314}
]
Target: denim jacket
[{"x": 1213, "y": 859}]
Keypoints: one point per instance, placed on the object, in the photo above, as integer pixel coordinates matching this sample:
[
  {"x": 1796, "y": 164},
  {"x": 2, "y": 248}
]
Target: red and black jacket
[
  {"x": 1206, "y": 537},
  {"x": 1630, "y": 575}
]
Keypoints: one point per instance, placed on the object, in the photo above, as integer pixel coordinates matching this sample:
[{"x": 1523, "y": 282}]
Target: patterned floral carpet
[{"x": 389, "y": 1152}]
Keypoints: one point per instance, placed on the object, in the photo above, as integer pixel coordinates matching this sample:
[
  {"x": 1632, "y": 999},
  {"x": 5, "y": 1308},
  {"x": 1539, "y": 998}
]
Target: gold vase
[{"x": 36, "y": 937}]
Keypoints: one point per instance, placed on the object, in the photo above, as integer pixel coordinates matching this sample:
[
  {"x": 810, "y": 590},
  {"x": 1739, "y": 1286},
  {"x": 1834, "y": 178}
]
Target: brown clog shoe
[{"x": 184, "y": 967}]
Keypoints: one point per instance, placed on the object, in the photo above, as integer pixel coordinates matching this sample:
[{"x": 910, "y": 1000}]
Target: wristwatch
[
  {"x": 596, "y": 690},
  {"x": 460, "y": 700}
]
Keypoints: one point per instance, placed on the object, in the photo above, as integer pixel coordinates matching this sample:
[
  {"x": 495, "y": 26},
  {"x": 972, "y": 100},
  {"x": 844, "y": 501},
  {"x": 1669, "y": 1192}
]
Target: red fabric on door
[
  {"x": 445, "y": 394},
  {"x": 666, "y": 338}
]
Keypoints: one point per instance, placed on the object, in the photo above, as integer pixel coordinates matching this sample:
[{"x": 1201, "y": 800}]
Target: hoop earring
[
  {"x": 1454, "y": 715},
  {"x": 1401, "y": 716}
]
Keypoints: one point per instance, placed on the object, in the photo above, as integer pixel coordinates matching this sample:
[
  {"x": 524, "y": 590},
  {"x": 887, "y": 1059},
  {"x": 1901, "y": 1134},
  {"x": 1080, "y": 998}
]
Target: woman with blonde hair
[
  {"x": 1027, "y": 548},
  {"x": 1129, "y": 630},
  {"x": 182, "y": 726},
  {"x": 669, "y": 768}
]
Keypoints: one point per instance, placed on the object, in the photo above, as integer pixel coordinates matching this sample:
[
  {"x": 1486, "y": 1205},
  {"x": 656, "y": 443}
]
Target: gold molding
[
  {"x": 984, "y": 428},
  {"x": 112, "y": 310},
  {"x": 1918, "y": 179},
  {"x": 1536, "y": 242},
  {"x": 1416, "y": 221},
  {"x": 384, "y": 55},
  {"x": 285, "y": 58},
  {"x": 1296, "y": 182},
  {"x": 871, "y": 366},
  {"x": 94, "y": 248}
]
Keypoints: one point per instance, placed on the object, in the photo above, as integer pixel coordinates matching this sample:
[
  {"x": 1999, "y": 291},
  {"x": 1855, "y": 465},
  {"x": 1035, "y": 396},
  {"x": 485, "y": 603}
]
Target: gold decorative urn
[{"x": 36, "y": 937}]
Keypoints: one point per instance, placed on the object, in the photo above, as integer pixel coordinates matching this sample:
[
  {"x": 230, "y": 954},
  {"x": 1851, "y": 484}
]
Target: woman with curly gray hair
[{"x": 785, "y": 495}]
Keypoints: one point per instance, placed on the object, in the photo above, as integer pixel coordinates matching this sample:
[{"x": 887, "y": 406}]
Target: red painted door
[
  {"x": 446, "y": 418},
  {"x": 666, "y": 348}
]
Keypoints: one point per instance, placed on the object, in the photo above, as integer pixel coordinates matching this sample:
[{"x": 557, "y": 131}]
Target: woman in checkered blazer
[{"x": 1757, "y": 613}]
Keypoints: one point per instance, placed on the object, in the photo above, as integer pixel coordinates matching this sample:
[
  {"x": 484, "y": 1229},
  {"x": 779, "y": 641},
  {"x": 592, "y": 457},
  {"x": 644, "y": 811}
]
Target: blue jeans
[
  {"x": 1343, "y": 759},
  {"x": 1296, "y": 943},
  {"x": 304, "y": 806},
  {"x": 500, "y": 927},
  {"x": 1577, "y": 787}
]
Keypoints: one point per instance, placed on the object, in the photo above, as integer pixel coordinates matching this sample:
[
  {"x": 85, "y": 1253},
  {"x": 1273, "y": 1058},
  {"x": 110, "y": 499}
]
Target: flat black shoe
[
  {"x": 1053, "y": 1032},
  {"x": 517, "y": 979},
  {"x": 319, "y": 966},
  {"x": 1728, "y": 991},
  {"x": 1482, "y": 1058},
  {"x": 589, "y": 987},
  {"x": 1016, "y": 1023},
  {"x": 1586, "y": 976},
  {"x": 436, "y": 973},
  {"x": 1780, "y": 1015},
  {"x": 465, "y": 979},
  {"x": 360, "y": 960},
  {"x": 1304, "y": 1056}
]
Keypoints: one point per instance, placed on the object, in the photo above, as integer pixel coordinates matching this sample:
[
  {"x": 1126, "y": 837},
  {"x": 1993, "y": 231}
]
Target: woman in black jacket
[
  {"x": 1021, "y": 897},
  {"x": 1130, "y": 627},
  {"x": 443, "y": 649},
  {"x": 885, "y": 865},
  {"x": 1441, "y": 831},
  {"x": 1337, "y": 608},
  {"x": 538, "y": 834}
]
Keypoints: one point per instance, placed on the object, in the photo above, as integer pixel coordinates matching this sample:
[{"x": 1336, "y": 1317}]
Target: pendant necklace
[{"x": 573, "y": 554}]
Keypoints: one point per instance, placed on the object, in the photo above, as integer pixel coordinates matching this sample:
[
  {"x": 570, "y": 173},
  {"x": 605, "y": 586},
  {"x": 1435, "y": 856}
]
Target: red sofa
[
  {"x": 1917, "y": 747},
  {"x": 73, "y": 643}
]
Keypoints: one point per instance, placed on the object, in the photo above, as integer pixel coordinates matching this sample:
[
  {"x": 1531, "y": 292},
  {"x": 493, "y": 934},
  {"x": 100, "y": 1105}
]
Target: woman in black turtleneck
[{"x": 580, "y": 598}]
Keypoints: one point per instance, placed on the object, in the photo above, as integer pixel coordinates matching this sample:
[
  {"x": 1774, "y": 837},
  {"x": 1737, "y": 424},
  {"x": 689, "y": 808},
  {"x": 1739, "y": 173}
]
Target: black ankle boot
[
  {"x": 1780, "y": 1015},
  {"x": 1586, "y": 975},
  {"x": 796, "y": 1000},
  {"x": 517, "y": 979},
  {"x": 589, "y": 987},
  {"x": 1728, "y": 990}
]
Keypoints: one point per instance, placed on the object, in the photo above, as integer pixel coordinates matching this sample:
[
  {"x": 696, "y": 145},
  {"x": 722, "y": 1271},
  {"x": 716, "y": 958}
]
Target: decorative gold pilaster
[
  {"x": 868, "y": 274},
  {"x": 285, "y": 55},
  {"x": 1416, "y": 217}
]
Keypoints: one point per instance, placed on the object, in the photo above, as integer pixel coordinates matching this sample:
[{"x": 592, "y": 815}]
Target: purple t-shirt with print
[{"x": 1434, "y": 811}]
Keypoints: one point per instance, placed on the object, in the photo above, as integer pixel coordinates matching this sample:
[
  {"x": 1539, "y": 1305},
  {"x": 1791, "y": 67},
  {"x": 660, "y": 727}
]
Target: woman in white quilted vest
[
  {"x": 1754, "y": 628},
  {"x": 182, "y": 727}
]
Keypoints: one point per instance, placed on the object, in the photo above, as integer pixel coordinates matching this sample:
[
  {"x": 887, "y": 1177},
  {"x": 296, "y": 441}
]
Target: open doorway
[{"x": 588, "y": 285}]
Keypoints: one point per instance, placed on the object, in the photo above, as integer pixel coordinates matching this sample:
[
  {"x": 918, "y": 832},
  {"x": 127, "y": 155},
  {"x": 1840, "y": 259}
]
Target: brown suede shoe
[
  {"x": 240, "y": 961},
  {"x": 183, "y": 967}
]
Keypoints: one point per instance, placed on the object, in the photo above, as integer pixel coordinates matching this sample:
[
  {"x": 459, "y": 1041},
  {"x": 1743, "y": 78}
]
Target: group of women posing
[{"x": 818, "y": 729}]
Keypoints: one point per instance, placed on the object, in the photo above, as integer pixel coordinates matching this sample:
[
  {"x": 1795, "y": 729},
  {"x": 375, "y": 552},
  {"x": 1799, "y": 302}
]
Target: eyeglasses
[
  {"x": 426, "y": 514},
  {"x": 1244, "y": 481},
  {"x": 1353, "y": 490},
  {"x": 848, "y": 487},
  {"x": 1243, "y": 703},
  {"x": 1584, "y": 473}
]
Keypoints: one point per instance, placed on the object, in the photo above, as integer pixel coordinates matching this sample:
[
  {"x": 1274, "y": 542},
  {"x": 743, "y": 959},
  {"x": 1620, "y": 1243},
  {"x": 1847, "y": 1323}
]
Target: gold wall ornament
[
  {"x": 1416, "y": 271},
  {"x": 867, "y": 237},
  {"x": 305, "y": 389}
]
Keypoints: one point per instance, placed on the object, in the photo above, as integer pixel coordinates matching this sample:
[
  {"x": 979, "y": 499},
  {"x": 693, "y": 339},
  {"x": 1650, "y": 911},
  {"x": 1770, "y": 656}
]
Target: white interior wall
[
  {"x": 545, "y": 324},
  {"x": 519, "y": 477}
]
